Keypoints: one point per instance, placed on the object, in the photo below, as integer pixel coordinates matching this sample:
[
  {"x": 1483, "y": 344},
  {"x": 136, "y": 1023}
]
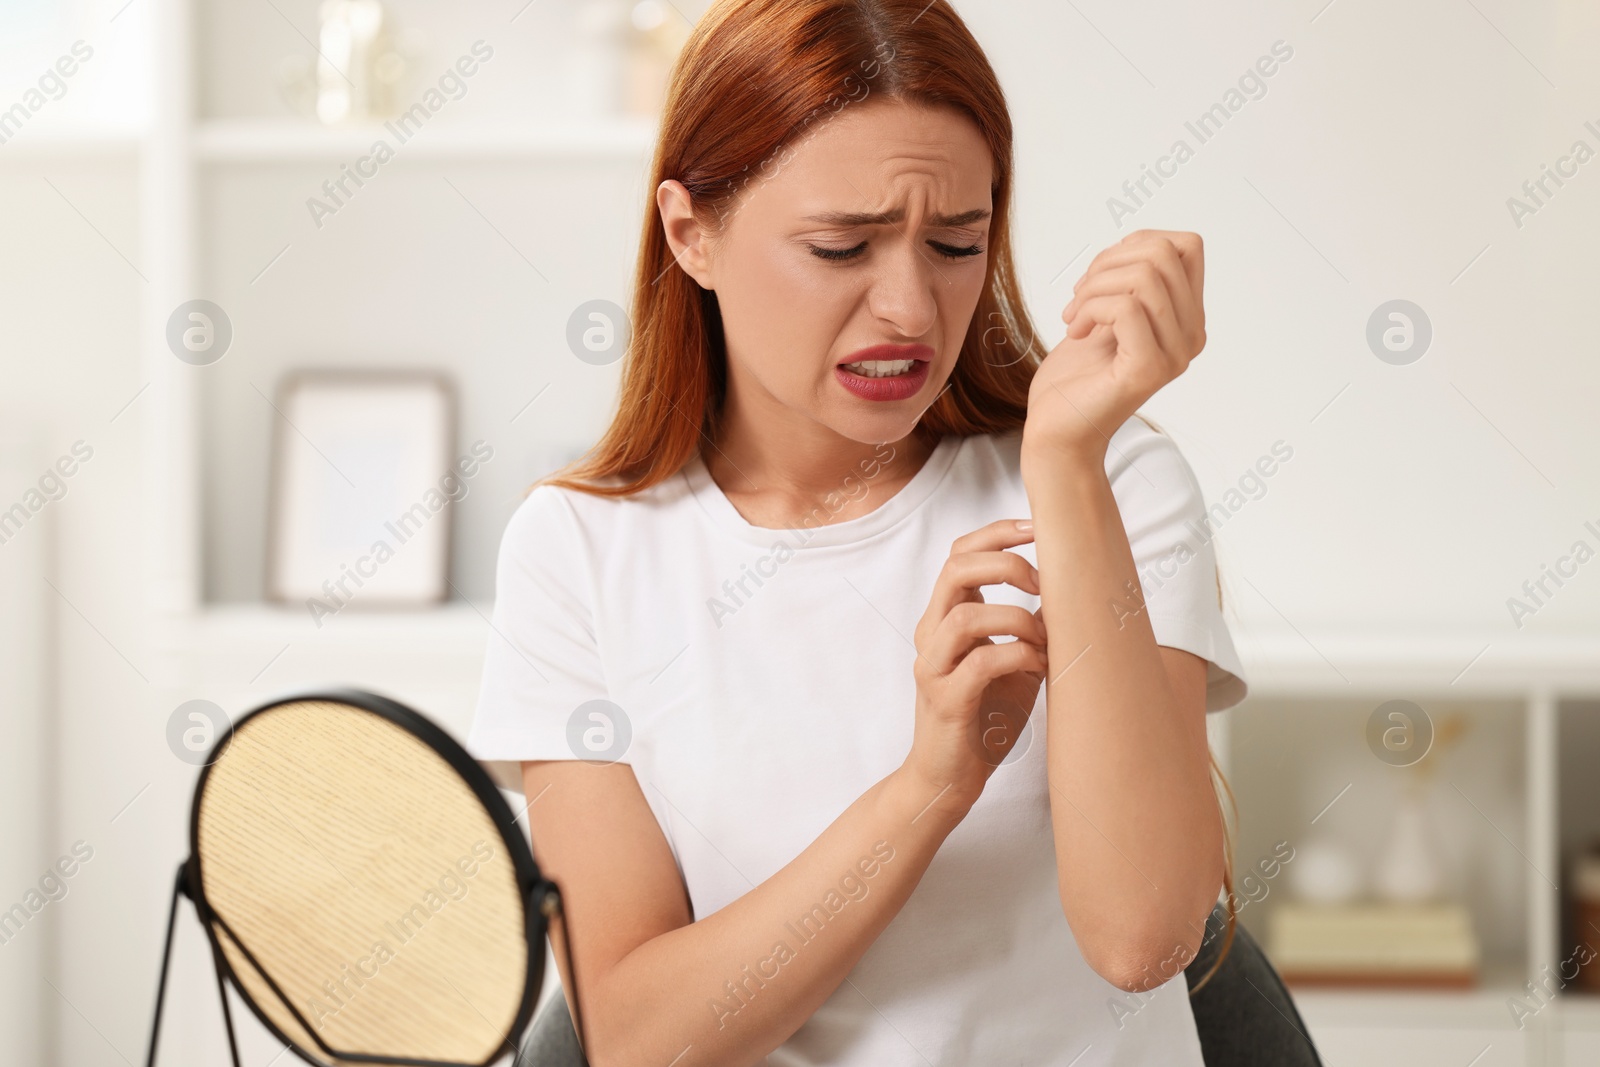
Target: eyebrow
[{"x": 878, "y": 218}]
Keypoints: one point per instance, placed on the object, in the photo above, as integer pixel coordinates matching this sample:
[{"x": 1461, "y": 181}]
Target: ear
[{"x": 685, "y": 237}]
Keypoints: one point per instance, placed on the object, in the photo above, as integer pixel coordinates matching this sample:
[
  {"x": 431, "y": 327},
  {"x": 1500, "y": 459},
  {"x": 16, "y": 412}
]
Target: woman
[{"x": 836, "y": 760}]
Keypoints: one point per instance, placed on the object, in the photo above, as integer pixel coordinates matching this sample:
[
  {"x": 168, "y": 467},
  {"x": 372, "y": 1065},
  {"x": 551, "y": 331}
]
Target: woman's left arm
[{"x": 1138, "y": 830}]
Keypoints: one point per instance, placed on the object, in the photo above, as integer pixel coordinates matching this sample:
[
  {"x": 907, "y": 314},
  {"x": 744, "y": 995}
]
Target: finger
[
  {"x": 1002, "y": 533},
  {"x": 1150, "y": 365},
  {"x": 1185, "y": 289},
  {"x": 974, "y": 623},
  {"x": 983, "y": 666},
  {"x": 1185, "y": 246},
  {"x": 997, "y": 535},
  {"x": 1135, "y": 242},
  {"x": 1165, "y": 259},
  {"x": 1191, "y": 252},
  {"x": 965, "y": 573},
  {"x": 986, "y": 663},
  {"x": 1142, "y": 279}
]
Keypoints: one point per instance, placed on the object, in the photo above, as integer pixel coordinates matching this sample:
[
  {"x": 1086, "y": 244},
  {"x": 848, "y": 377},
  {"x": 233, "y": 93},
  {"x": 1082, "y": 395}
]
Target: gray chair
[{"x": 1245, "y": 1016}]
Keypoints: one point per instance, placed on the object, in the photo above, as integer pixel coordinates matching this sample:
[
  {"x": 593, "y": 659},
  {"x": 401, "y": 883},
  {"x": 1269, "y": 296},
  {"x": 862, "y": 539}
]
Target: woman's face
[{"x": 807, "y": 279}]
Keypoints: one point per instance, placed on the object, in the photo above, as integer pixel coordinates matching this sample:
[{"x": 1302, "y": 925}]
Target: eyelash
[{"x": 850, "y": 253}]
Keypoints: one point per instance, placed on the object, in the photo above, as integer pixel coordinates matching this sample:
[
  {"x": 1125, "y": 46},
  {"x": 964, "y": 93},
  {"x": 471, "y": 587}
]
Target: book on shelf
[{"x": 1422, "y": 945}]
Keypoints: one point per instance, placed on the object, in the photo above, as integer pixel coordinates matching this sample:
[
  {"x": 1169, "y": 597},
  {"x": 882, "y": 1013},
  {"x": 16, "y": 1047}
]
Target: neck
[{"x": 775, "y": 473}]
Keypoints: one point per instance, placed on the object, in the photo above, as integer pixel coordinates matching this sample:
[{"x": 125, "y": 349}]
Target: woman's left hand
[{"x": 1133, "y": 325}]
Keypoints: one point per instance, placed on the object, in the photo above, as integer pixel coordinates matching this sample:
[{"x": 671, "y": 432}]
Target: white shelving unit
[
  {"x": 246, "y": 650},
  {"x": 277, "y": 141},
  {"x": 240, "y": 653},
  {"x": 1520, "y": 693}
]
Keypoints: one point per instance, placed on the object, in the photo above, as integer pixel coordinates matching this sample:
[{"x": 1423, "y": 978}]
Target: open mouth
[
  {"x": 882, "y": 368},
  {"x": 883, "y": 379}
]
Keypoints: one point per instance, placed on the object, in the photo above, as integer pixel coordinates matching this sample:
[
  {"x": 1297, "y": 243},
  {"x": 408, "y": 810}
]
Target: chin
[{"x": 871, "y": 429}]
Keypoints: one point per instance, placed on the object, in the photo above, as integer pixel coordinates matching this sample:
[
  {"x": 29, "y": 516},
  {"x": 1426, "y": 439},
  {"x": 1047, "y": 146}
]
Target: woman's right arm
[
  {"x": 654, "y": 985},
  {"x": 650, "y": 980}
]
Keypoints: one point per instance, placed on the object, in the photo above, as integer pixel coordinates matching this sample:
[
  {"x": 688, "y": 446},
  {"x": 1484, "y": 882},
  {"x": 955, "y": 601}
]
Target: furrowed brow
[{"x": 879, "y": 218}]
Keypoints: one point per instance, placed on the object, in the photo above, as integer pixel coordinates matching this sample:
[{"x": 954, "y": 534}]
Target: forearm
[
  {"x": 734, "y": 985},
  {"x": 1137, "y": 827}
]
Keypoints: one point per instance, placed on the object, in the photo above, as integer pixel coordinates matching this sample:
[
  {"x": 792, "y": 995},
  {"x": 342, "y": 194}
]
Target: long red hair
[{"x": 754, "y": 79}]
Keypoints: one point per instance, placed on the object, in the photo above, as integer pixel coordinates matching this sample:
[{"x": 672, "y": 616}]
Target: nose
[{"x": 904, "y": 290}]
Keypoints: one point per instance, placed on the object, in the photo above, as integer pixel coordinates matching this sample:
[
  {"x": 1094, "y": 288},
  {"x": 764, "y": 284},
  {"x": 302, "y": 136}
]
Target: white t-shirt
[{"x": 760, "y": 680}]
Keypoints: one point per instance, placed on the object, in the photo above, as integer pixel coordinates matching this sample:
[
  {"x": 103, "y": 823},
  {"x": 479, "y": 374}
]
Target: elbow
[
  {"x": 1140, "y": 965},
  {"x": 1137, "y": 952}
]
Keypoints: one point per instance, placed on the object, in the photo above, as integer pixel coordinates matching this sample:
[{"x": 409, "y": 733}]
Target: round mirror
[{"x": 366, "y": 886}]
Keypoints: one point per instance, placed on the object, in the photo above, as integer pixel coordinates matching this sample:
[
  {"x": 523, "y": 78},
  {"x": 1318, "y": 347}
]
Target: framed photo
[{"x": 361, "y": 488}]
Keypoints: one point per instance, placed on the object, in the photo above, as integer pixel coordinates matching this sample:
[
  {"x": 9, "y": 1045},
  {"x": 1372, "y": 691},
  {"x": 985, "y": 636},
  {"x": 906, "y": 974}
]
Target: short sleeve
[
  {"x": 542, "y": 660},
  {"x": 1169, "y": 532}
]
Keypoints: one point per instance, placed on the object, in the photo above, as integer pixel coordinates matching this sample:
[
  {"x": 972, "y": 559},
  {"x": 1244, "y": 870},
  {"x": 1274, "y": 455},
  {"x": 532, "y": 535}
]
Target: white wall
[
  {"x": 26, "y": 786},
  {"x": 1387, "y": 144},
  {"x": 68, "y": 302}
]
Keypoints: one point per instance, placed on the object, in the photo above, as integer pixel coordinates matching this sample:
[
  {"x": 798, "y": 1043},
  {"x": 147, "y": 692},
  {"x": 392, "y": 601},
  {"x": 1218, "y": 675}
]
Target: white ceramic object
[
  {"x": 597, "y": 59},
  {"x": 1324, "y": 871},
  {"x": 1407, "y": 870}
]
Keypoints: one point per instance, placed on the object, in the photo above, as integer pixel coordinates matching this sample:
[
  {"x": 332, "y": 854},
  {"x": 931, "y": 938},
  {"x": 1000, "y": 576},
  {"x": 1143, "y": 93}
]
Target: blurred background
[{"x": 222, "y": 301}]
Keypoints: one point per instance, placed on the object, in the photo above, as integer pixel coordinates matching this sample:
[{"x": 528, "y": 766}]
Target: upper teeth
[{"x": 881, "y": 368}]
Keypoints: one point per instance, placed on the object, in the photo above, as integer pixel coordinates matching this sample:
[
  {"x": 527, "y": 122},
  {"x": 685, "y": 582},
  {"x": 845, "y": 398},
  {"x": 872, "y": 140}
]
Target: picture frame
[{"x": 361, "y": 487}]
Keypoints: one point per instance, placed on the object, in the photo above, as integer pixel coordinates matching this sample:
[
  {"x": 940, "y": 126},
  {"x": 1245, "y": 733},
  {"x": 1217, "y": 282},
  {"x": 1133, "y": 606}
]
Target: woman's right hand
[{"x": 974, "y": 696}]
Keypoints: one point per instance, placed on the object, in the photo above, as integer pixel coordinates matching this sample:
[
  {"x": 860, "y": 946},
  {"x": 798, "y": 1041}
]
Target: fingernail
[{"x": 1024, "y": 525}]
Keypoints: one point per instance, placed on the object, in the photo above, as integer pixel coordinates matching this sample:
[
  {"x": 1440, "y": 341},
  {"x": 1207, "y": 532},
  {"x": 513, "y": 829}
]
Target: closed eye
[
  {"x": 947, "y": 251},
  {"x": 950, "y": 252}
]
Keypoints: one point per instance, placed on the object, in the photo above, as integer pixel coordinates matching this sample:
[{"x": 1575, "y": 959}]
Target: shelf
[
  {"x": 253, "y": 616},
  {"x": 53, "y": 142},
  {"x": 453, "y": 626},
  {"x": 238, "y": 654},
  {"x": 257, "y": 140},
  {"x": 1465, "y": 663},
  {"x": 1278, "y": 664},
  {"x": 1483, "y": 1005},
  {"x": 1577, "y": 1009}
]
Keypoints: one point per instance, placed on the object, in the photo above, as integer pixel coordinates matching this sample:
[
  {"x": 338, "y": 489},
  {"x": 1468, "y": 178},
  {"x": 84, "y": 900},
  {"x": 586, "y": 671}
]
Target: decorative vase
[
  {"x": 597, "y": 60},
  {"x": 1324, "y": 872},
  {"x": 1408, "y": 868}
]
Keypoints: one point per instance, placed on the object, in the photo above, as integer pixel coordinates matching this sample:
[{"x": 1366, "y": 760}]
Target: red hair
[{"x": 755, "y": 78}]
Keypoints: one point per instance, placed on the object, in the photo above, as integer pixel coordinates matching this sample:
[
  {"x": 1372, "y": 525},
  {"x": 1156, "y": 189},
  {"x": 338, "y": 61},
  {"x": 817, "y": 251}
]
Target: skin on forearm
[
  {"x": 719, "y": 991},
  {"x": 1137, "y": 827}
]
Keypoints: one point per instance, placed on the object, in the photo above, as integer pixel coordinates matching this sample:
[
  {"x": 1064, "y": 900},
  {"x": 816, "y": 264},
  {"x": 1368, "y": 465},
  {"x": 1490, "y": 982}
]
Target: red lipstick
[{"x": 901, "y": 386}]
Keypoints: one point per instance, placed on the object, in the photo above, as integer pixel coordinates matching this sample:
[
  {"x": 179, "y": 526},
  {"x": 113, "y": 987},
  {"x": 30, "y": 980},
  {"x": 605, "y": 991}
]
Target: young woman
[{"x": 859, "y": 674}]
